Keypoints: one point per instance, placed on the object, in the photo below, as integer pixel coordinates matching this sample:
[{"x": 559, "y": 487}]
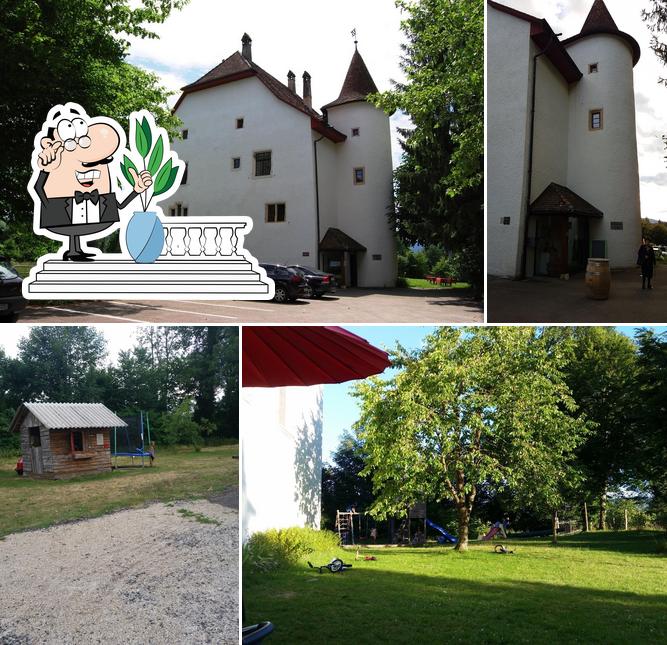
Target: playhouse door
[{"x": 36, "y": 451}]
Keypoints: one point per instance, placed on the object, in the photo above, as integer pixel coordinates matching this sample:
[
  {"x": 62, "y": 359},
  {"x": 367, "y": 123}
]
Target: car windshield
[{"x": 7, "y": 271}]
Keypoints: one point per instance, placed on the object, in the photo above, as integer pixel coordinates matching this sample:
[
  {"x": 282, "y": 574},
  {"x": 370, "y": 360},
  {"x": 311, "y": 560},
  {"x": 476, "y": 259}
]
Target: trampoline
[{"x": 129, "y": 442}]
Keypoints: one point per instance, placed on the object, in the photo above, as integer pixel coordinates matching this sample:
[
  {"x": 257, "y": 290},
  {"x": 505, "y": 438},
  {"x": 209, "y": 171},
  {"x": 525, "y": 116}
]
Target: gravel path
[{"x": 148, "y": 575}]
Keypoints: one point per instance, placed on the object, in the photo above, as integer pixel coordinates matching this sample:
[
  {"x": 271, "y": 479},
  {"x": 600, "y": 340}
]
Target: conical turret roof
[
  {"x": 358, "y": 83},
  {"x": 600, "y": 21}
]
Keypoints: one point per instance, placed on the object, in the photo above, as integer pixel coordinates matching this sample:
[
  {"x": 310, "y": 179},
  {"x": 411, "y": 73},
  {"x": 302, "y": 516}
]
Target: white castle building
[
  {"x": 317, "y": 186},
  {"x": 563, "y": 179}
]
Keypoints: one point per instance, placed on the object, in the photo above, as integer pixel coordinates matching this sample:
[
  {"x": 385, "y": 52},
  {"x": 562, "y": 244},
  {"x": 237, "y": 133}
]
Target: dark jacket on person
[
  {"x": 56, "y": 212},
  {"x": 646, "y": 260}
]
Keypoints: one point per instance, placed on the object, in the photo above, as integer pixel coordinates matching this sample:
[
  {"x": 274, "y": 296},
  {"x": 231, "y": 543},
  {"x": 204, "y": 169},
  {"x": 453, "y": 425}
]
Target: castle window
[
  {"x": 239, "y": 124},
  {"x": 236, "y": 163},
  {"x": 275, "y": 213},
  {"x": 185, "y": 134},
  {"x": 616, "y": 226},
  {"x": 593, "y": 68},
  {"x": 595, "y": 120},
  {"x": 355, "y": 132},
  {"x": 263, "y": 163},
  {"x": 377, "y": 256},
  {"x": 505, "y": 221},
  {"x": 185, "y": 175},
  {"x": 359, "y": 176}
]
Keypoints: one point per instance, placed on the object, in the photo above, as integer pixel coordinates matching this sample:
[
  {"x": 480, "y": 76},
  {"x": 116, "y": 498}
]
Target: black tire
[
  {"x": 280, "y": 294},
  {"x": 308, "y": 292}
]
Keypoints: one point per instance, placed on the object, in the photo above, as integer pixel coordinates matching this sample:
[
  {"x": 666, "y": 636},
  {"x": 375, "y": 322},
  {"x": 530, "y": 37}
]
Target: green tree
[
  {"x": 54, "y": 51},
  {"x": 473, "y": 406},
  {"x": 438, "y": 186}
]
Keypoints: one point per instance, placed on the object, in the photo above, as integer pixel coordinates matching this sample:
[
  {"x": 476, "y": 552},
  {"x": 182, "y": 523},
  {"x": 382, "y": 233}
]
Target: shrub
[
  {"x": 661, "y": 546},
  {"x": 275, "y": 548}
]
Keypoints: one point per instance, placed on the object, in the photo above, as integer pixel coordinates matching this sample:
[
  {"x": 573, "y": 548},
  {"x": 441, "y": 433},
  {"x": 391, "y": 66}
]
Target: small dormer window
[
  {"x": 355, "y": 132},
  {"x": 593, "y": 68},
  {"x": 239, "y": 124}
]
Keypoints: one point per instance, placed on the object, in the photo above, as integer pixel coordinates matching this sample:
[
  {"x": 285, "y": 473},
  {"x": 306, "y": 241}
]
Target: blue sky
[{"x": 340, "y": 408}]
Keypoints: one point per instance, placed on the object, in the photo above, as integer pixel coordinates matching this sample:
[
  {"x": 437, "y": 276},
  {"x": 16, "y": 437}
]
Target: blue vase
[{"x": 144, "y": 237}]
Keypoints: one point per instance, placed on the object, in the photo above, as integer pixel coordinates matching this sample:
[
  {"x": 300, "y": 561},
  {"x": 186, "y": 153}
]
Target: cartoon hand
[
  {"x": 50, "y": 156},
  {"x": 141, "y": 181}
]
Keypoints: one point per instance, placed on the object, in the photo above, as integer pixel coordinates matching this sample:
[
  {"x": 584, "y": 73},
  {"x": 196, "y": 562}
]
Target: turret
[{"x": 602, "y": 152}]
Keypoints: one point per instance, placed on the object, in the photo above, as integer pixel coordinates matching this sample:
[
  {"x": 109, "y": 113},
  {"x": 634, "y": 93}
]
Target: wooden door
[{"x": 36, "y": 451}]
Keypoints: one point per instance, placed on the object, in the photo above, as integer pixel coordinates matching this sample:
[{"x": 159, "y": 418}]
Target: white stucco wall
[
  {"x": 508, "y": 78},
  {"x": 214, "y": 188},
  {"x": 281, "y": 473},
  {"x": 362, "y": 209},
  {"x": 603, "y": 166}
]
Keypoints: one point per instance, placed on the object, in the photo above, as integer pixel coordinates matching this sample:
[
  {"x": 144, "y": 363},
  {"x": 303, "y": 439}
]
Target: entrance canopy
[
  {"x": 281, "y": 356},
  {"x": 335, "y": 240},
  {"x": 560, "y": 200}
]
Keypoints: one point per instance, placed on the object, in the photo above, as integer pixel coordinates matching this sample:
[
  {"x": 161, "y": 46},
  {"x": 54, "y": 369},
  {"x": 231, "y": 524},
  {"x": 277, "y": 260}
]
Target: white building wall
[
  {"x": 327, "y": 167},
  {"x": 509, "y": 78},
  {"x": 362, "y": 210},
  {"x": 281, "y": 436},
  {"x": 214, "y": 188},
  {"x": 603, "y": 166}
]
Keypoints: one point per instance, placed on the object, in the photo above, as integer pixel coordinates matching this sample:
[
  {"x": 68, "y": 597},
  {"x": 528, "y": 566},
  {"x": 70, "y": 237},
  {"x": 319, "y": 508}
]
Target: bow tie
[{"x": 93, "y": 196}]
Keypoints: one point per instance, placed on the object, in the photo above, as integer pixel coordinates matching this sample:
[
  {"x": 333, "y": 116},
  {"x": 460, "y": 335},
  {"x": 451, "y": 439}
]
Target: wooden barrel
[{"x": 598, "y": 278}]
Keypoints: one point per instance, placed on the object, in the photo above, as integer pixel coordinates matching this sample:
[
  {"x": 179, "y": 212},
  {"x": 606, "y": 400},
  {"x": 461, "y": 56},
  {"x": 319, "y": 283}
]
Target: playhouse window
[
  {"x": 35, "y": 437},
  {"x": 77, "y": 441}
]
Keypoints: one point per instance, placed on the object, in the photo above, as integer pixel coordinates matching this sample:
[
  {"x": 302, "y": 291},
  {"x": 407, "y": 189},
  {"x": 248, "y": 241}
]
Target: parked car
[
  {"x": 11, "y": 296},
  {"x": 318, "y": 282},
  {"x": 289, "y": 283}
]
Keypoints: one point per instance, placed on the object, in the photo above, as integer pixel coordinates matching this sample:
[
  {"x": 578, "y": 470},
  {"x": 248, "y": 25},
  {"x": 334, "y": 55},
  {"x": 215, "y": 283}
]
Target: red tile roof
[
  {"x": 358, "y": 83},
  {"x": 600, "y": 21},
  {"x": 236, "y": 67}
]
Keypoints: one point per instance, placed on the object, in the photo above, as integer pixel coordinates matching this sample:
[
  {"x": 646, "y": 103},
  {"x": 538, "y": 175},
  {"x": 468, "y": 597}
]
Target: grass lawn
[
  {"x": 179, "y": 473},
  {"x": 591, "y": 588},
  {"x": 420, "y": 283}
]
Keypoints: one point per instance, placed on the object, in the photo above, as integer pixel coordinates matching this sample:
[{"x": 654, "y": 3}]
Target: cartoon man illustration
[{"x": 73, "y": 182}]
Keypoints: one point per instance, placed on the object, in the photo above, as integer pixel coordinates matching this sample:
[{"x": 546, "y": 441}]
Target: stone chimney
[
  {"x": 246, "y": 50},
  {"x": 307, "y": 96},
  {"x": 291, "y": 81}
]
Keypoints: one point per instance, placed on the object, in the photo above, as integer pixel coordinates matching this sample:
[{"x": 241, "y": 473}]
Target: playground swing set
[{"x": 129, "y": 442}]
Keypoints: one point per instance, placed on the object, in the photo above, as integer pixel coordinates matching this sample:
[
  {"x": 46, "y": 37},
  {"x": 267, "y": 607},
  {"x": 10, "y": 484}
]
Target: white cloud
[{"x": 567, "y": 17}]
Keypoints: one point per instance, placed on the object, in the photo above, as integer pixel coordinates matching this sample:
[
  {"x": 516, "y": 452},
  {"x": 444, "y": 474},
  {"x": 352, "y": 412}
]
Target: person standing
[{"x": 646, "y": 260}]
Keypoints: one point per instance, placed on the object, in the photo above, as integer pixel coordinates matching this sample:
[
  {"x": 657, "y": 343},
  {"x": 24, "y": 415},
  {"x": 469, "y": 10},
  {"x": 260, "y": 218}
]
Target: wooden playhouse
[{"x": 60, "y": 440}]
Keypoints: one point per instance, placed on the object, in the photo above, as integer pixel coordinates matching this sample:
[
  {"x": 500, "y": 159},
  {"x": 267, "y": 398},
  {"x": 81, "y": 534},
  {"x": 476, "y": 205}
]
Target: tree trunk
[
  {"x": 586, "y": 528},
  {"x": 554, "y": 527},
  {"x": 464, "y": 525},
  {"x": 602, "y": 521},
  {"x": 626, "y": 519}
]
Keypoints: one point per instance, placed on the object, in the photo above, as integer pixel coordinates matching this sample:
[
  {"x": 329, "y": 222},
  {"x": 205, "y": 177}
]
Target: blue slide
[{"x": 447, "y": 536}]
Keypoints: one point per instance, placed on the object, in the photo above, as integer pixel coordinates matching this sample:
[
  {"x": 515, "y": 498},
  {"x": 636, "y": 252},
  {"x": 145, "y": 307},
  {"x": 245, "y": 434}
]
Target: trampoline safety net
[{"x": 134, "y": 440}]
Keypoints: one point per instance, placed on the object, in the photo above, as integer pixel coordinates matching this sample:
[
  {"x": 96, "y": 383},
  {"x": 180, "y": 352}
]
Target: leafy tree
[
  {"x": 650, "y": 435},
  {"x": 342, "y": 483},
  {"x": 438, "y": 185},
  {"x": 54, "y": 51},
  {"x": 473, "y": 406}
]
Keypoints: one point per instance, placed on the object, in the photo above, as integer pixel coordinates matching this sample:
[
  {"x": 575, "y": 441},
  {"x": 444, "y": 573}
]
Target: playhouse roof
[{"x": 68, "y": 416}]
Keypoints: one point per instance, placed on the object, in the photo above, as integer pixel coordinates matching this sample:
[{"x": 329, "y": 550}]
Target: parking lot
[{"x": 346, "y": 306}]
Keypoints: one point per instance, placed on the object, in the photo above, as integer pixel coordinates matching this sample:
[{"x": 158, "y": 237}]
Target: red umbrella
[{"x": 279, "y": 356}]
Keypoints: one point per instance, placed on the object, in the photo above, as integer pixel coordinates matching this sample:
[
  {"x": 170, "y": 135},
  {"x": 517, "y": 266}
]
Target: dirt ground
[
  {"x": 549, "y": 300},
  {"x": 148, "y": 575}
]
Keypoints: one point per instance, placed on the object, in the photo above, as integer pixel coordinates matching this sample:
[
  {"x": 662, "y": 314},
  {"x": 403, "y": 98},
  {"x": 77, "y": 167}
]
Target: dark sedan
[
  {"x": 289, "y": 283},
  {"x": 11, "y": 297},
  {"x": 318, "y": 282}
]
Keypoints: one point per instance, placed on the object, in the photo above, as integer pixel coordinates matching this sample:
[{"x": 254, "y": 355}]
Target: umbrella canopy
[{"x": 280, "y": 356}]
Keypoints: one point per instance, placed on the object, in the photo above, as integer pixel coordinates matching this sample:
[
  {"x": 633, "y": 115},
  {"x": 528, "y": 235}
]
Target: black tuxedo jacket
[{"x": 56, "y": 212}]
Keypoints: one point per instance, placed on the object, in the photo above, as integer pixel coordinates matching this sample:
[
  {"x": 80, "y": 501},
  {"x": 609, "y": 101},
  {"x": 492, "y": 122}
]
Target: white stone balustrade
[{"x": 188, "y": 238}]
